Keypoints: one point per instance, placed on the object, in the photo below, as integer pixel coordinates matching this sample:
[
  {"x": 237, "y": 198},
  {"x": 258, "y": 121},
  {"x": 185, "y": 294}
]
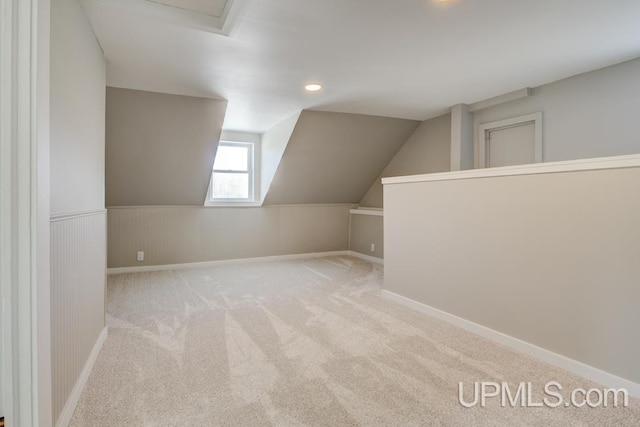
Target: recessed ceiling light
[{"x": 312, "y": 87}]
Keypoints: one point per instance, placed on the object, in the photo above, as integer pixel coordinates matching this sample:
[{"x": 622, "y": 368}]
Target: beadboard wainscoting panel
[
  {"x": 78, "y": 269},
  {"x": 188, "y": 234}
]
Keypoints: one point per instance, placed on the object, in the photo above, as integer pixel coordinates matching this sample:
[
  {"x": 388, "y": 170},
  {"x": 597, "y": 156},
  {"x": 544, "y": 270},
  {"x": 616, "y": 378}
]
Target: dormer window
[{"x": 232, "y": 179}]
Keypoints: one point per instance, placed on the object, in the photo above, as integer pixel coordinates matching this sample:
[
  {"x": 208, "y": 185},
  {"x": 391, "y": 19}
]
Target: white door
[{"x": 509, "y": 146}]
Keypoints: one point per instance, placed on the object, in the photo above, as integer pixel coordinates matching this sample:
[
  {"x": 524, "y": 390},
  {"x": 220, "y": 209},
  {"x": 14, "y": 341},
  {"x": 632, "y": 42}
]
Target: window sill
[{"x": 211, "y": 204}]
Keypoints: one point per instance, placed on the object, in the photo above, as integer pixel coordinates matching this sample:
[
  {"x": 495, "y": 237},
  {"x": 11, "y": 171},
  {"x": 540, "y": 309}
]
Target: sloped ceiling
[
  {"x": 159, "y": 148},
  {"x": 334, "y": 157},
  {"x": 406, "y": 58}
]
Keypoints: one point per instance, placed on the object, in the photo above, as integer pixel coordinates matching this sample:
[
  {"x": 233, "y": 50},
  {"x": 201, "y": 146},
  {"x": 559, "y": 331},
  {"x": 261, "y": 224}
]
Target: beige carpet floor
[{"x": 306, "y": 342}]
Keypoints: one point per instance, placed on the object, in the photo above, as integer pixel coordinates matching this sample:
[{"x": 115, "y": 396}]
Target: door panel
[{"x": 509, "y": 146}]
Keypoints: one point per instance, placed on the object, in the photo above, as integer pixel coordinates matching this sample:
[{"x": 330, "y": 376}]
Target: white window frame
[{"x": 251, "y": 170}]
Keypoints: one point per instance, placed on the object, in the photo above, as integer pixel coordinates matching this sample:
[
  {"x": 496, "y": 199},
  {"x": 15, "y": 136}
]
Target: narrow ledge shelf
[{"x": 367, "y": 211}]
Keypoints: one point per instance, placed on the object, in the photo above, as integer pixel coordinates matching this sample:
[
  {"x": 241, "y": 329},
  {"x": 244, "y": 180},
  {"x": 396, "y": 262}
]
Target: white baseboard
[
  {"x": 74, "y": 397},
  {"x": 205, "y": 264},
  {"x": 145, "y": 268},
  {"x": 369, "y": 258},
  {"x": 555, "y": 359}
]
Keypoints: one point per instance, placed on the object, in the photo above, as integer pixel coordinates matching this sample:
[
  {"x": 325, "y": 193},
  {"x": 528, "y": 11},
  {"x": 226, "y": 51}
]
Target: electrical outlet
[
  {"x": 140, "y": 256},
  {"x": 373, "y": 247}
]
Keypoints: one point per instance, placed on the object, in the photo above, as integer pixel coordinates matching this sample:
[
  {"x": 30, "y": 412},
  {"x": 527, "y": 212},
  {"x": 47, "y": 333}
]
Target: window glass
[
  {"x": 232, "y": 157},
  {"x": 230, "y": 185},
  {"x": 232, "y": 176}
]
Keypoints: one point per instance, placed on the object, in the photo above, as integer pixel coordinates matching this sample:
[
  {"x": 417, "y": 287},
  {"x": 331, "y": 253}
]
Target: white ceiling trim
[
  {"x": 207, "y": 7},
  {"x": 181, "y": 16}
]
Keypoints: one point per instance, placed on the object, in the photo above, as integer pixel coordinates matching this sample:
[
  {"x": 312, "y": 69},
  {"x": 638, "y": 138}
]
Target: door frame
[
  {"x": 25, "y": 345},
  {"x": 485, "y": 128}
]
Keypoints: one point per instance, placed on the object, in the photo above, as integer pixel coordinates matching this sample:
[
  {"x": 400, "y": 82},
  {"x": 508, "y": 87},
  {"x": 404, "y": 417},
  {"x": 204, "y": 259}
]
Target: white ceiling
[{"x": 409, "y": 59}]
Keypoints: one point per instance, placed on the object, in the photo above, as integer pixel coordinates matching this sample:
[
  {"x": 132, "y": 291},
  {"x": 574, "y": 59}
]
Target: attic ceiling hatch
[{"x": 214, "y": 16}]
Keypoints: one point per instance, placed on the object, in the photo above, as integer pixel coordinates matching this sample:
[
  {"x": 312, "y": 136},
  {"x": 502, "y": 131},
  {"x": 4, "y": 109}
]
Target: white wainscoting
[
  {"x": 207, "y": 264},
  {"x": 191, "y": 234},
  {"x": 78, "y": 272}
]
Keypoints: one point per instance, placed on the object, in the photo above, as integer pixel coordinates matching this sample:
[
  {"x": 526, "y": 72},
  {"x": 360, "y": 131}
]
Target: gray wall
[
  {"x": 365, "y": 230},
  {"x": 160, "y": 148},
  {"x": 78, "y": 229},
  {"x": 334, "y": 157},
  {"x": 427, "y": 150},
  {"x": 589, "y": 115},
  {"x": 174, "y": 235},
  {"x": 550, "y": 259}
]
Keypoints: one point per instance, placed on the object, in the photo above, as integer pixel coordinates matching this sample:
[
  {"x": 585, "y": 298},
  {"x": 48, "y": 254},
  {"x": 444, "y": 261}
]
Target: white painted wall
[
  {"x": 78, "y": 79},
  {"x": 44, "y": 214},
  {"x": 590, "y": 115},
  {"x": 274, "y": 143},
  {"x": 78, "y": 250},
  {"x": 550, "y": 259}
]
